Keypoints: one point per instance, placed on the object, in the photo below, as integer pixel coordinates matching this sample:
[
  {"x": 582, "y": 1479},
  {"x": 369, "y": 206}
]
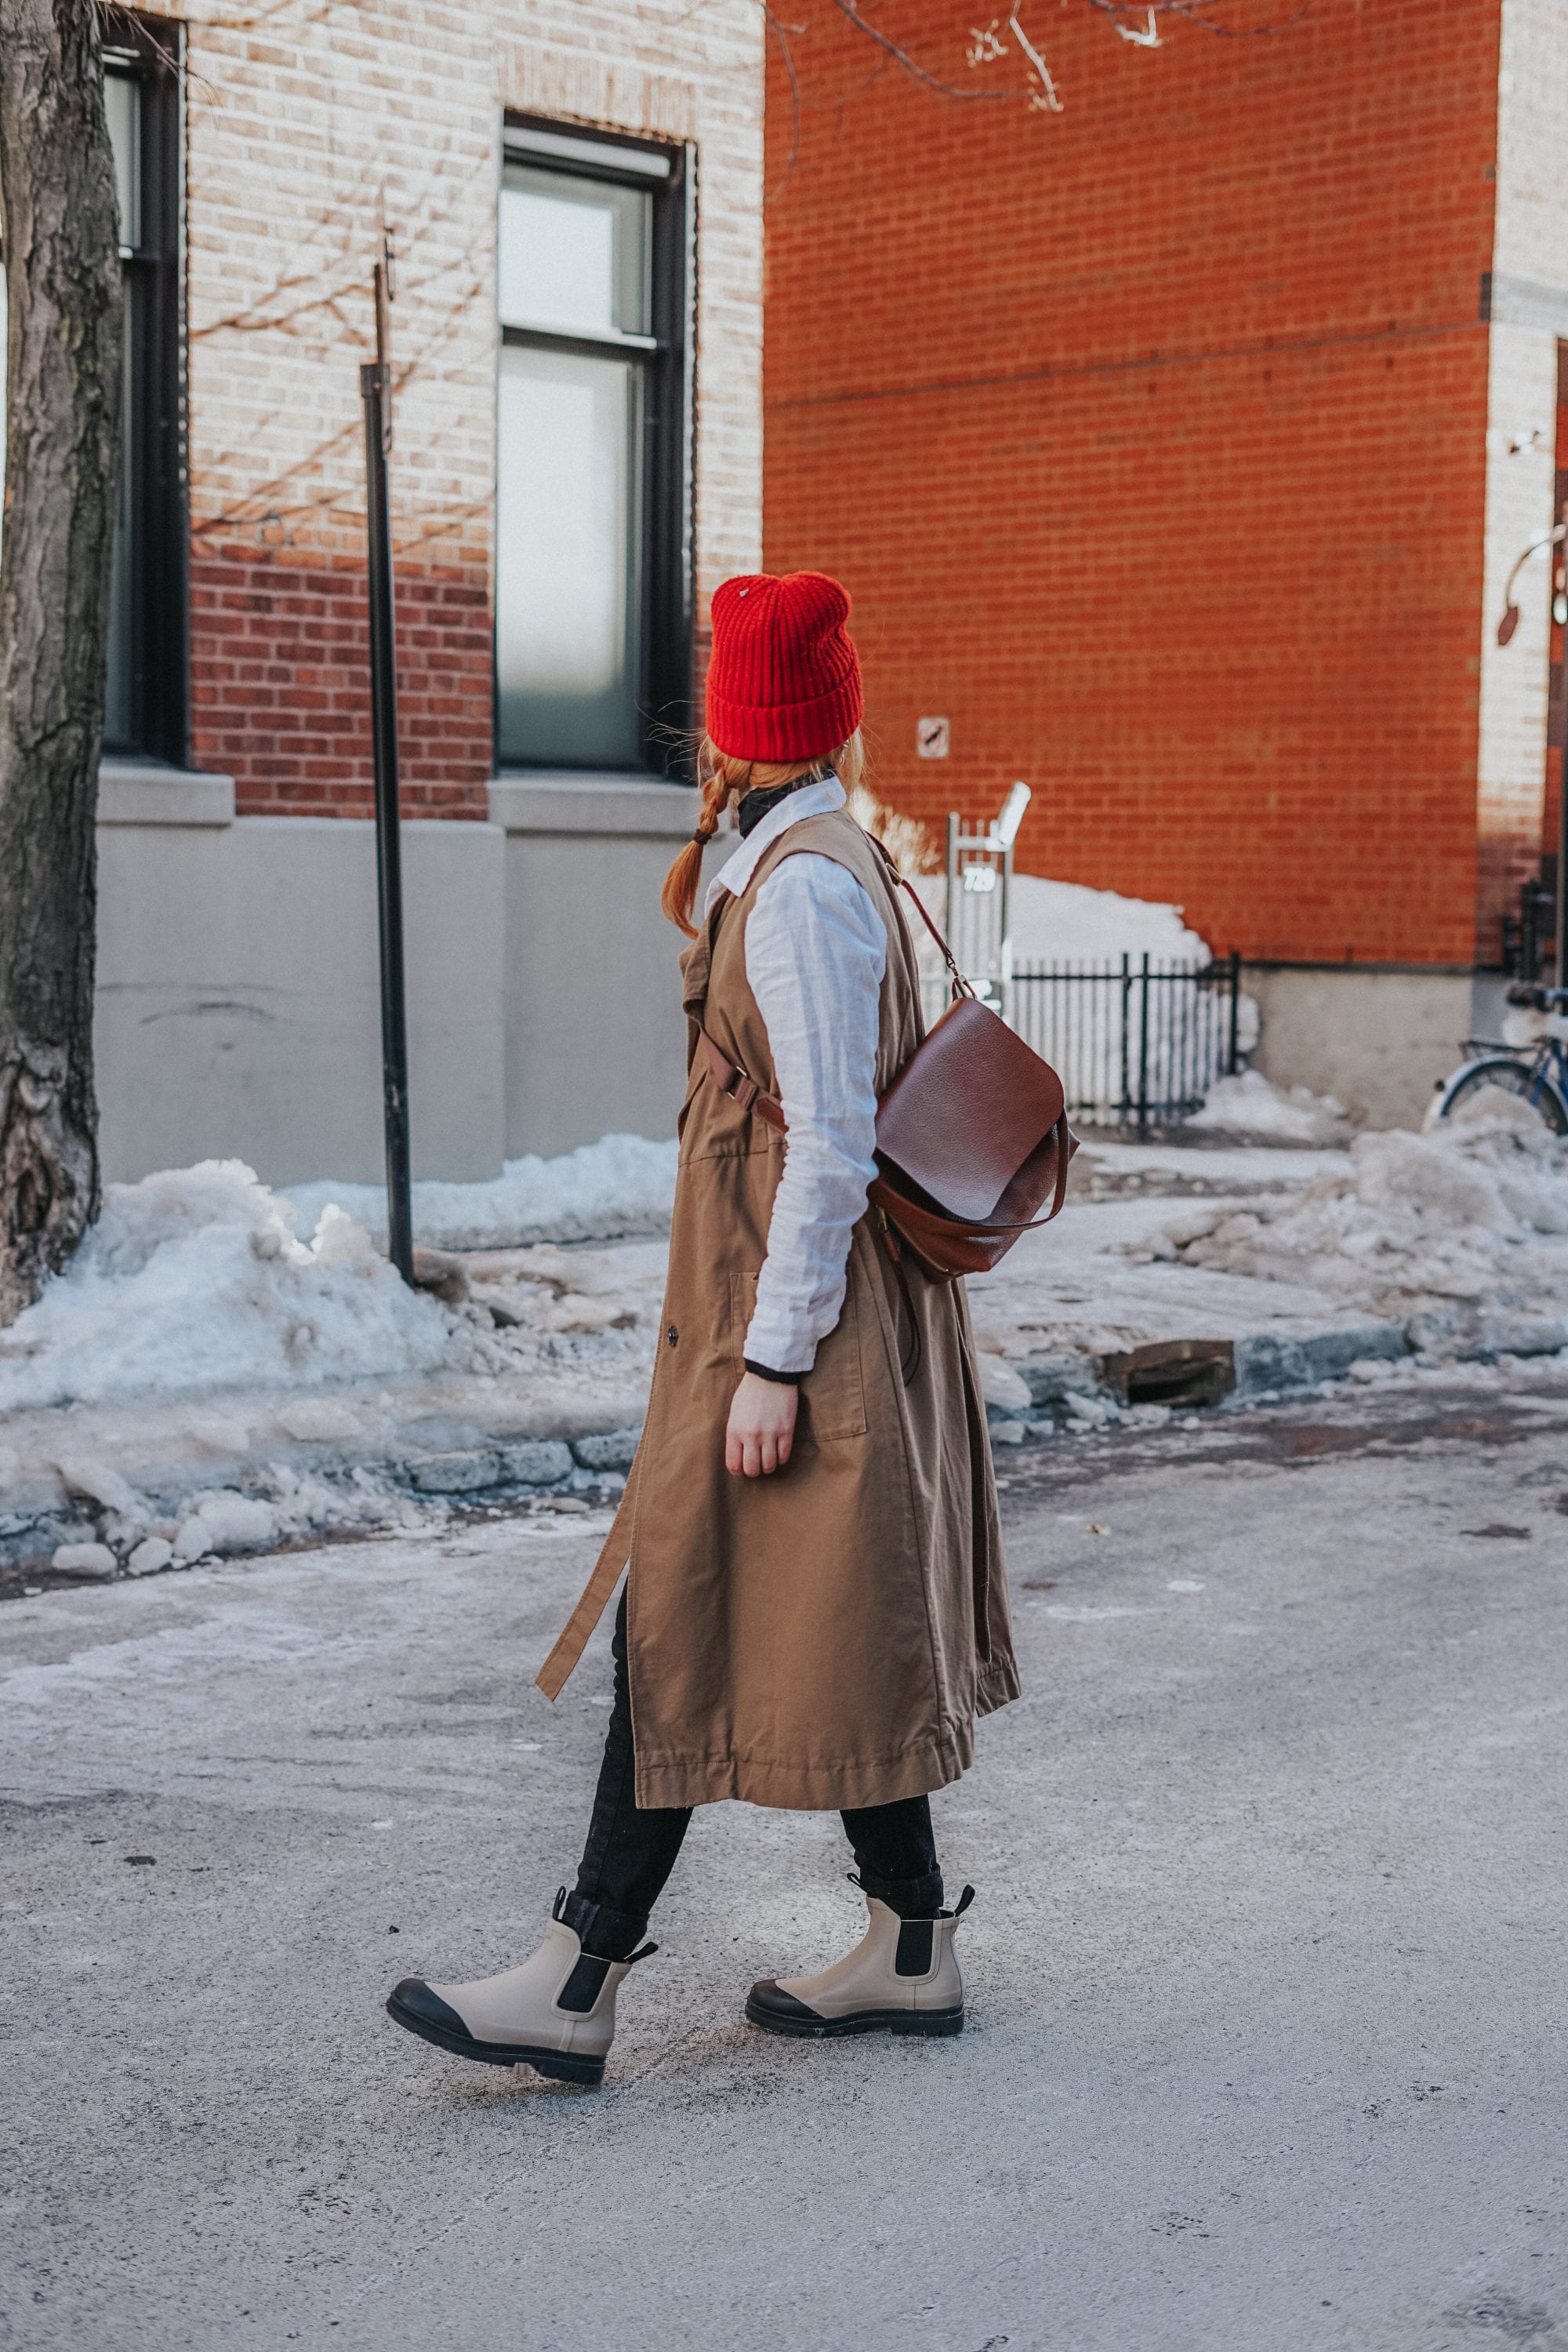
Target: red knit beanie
[{"x": 783, "y": 682}]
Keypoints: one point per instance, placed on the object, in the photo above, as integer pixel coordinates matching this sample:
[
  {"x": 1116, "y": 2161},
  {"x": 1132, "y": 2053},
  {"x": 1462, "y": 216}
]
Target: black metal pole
[
  {"x": 375, "y": 391},
  {"x": 1126, "y": 1045},
  {"x": 1233, "y": 1055}
]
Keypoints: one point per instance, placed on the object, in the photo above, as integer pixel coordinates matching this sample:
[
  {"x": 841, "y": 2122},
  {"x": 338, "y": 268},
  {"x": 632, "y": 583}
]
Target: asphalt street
[{"x": 1266, "y": 1974}]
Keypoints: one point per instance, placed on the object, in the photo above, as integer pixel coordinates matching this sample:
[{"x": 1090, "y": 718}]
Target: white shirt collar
[{"x": 812, "y": 800}]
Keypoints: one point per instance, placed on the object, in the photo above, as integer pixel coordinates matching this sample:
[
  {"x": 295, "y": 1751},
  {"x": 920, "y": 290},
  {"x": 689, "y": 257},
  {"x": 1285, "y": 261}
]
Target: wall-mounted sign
[{"x": 932, "y": 739}]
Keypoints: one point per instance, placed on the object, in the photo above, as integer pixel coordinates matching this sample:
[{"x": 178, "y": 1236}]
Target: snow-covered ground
[
  {"x": 1467, "y": 1223},
  {"x": 621, "y": 1185},
  {"x": 215, "y": 1372},
  {"x": 1246, "y": 1104}
]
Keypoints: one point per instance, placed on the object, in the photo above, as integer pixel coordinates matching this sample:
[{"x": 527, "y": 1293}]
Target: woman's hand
[{"x": 761, "y": 1426}]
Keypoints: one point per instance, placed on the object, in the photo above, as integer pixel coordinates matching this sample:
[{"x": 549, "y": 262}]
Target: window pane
[
  {"x": 122, "y": 104},
  {"x": 119, "y": 728},
  {"x": 568, "y": 558},
  {"x": 574, "y": 254}
]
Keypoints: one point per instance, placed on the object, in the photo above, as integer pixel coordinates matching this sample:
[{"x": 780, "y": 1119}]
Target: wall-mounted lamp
[{"x": 1509, "y": 621}]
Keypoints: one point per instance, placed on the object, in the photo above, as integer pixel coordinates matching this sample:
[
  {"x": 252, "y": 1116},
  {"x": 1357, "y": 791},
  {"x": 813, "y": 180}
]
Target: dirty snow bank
[
  {"x": 621, "y": 1186},
  {"x": 1057, "y": 921},
  {"x": 1475, "y": 1216},
  {"x": 196, "y": 1279},
  {"x": 1249, "y": 1105}
]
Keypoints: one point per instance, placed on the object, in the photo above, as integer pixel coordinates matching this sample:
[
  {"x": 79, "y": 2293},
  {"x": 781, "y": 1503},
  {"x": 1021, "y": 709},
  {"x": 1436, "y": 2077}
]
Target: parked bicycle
[{"x": 1536, "y": 1074}]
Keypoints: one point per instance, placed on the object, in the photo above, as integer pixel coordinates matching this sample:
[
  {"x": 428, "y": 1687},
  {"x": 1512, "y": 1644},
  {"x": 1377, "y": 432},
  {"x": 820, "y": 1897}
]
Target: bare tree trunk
[{"x": 62, "y": 275}]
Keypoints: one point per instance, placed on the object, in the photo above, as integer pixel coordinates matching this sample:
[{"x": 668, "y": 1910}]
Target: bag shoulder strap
[{"x": 960, "y": 986}]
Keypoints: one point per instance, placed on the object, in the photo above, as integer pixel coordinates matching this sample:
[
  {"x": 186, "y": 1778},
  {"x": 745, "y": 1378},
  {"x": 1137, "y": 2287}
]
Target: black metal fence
[{"x": 1138, "y": 1042}]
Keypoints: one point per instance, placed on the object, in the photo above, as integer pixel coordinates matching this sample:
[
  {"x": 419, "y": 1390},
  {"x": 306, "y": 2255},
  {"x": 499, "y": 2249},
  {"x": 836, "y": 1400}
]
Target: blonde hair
[{"x": 722, "y": 779}]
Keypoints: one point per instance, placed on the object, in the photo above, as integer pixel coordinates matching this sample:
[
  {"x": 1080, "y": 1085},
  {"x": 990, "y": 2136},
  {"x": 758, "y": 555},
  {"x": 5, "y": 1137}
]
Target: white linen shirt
[{"x": 816, "y": 951}]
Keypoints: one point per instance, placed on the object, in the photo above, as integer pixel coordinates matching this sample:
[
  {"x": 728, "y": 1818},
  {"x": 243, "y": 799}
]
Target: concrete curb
[{"x": 1075, "y": 1390}]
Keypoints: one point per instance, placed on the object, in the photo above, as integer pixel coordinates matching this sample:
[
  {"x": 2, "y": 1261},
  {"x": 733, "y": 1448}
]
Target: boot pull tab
[
  {"x": 559, "y": 1905},
  {"x": 643, "y": 1952},
  {"x": 962, "y": 1904}
]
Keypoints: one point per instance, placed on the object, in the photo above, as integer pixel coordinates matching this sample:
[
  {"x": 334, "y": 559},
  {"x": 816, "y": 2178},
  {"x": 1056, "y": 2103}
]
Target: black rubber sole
[
  {"x": 559, "y": 2065},
  {"x": 931, "y": 2024}
]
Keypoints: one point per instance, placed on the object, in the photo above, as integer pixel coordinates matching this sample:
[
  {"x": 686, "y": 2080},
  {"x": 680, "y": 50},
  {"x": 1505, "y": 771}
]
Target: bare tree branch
[{"x": 1136, "y": 21}]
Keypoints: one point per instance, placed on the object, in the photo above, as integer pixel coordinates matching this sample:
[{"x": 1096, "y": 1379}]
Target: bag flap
[{"x": 967, "y": 1110}]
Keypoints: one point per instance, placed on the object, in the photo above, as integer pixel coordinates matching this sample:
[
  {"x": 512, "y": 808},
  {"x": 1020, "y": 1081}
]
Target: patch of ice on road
[
  {"x": 195, "y": 1279},
  {"x": 1248, "y": 1105},
  {"x": 620, "y": 1186},
  {"x": 1072, "y": 1614}
]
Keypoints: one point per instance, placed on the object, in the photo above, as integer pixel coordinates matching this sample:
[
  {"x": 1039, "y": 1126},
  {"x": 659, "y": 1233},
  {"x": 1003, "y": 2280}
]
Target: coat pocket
[{"x": 833, "y": 1394}]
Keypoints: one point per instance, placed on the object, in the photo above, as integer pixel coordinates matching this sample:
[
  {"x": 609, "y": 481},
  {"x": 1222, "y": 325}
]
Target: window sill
[
  {"x": 568, "y": 800},
  {"x": 145, "y": 792}
]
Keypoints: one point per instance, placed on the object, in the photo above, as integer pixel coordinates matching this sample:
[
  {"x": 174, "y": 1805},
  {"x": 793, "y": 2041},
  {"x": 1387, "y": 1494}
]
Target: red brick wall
[
  {"x": 1149, "y": 438},
  {"x": 280, "y": 684}
]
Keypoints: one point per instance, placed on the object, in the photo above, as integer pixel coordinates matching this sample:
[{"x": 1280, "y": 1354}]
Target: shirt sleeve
[{"x": 816, "y": 951}]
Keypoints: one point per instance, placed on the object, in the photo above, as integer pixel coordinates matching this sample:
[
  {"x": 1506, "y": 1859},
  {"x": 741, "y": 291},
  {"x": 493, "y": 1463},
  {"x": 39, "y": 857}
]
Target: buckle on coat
[{"x": 743, "y": 1090}]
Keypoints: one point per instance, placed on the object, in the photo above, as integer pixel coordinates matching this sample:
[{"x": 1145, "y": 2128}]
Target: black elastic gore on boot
[
  {"x": 584, "y": 1986},
  {"x": 914, "y": 1948}
]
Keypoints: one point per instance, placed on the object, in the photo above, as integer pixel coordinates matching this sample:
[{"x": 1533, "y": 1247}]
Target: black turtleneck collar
[{"x": 757, "y": 806}]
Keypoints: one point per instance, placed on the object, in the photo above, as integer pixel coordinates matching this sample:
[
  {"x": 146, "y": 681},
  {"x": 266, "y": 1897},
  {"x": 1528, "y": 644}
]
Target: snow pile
[
  {"x": 195, "y": 1279},
  {"x": 1058, "y": 919},
  {"x": 1248, "y": 1105},
  {"x": 1478, "y": 1215},
  {"x": 1066, "y": 921},
  {"x": 620, "y": 1186}
]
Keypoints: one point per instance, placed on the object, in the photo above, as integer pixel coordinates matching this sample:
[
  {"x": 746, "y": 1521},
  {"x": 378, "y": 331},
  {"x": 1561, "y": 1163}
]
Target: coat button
[{"x": 671, "y": 1335}]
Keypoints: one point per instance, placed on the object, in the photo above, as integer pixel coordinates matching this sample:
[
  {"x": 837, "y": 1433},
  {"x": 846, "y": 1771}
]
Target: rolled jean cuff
[
  {"x": 912, "y": 1898},
  {"x": 607, "y": 1934}
]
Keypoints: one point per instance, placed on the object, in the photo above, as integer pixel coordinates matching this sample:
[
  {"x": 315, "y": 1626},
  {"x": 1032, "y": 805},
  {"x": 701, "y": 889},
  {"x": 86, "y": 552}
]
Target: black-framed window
[
  {"x": 144, "y": 698},
  {"x": 593, "y": 457}
]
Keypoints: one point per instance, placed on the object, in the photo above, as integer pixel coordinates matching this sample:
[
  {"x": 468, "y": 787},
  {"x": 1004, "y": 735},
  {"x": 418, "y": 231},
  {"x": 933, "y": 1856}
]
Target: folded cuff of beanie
[{"x": 785, "y": 730}]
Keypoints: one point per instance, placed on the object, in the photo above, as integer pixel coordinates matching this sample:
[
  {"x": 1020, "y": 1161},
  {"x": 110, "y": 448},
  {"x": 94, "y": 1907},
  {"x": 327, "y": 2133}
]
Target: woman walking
[{"x": 814, "y": 1612}]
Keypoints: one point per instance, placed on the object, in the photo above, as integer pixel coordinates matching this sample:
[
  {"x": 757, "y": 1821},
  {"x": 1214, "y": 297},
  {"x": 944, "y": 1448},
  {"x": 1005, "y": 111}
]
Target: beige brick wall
[{"x": 298, "y": 118}]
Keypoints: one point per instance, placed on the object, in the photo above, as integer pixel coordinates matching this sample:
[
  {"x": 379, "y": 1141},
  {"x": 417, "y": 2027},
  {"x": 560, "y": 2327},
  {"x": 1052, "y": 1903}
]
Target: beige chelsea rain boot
[
  {"x": 903, "y": 1975},
  {"x": 556, "y": 2013}
]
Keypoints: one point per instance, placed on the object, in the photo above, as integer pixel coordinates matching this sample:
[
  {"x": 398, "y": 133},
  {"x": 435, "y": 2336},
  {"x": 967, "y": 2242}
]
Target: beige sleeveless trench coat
[{"x": 827, "y": 1636}]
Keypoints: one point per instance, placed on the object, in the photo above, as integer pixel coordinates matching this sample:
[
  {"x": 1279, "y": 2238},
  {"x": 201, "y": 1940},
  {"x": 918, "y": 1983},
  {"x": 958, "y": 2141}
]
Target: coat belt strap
[
  {"x": 553, "y": 1674},
  {"x": 731, "y": 1080}
]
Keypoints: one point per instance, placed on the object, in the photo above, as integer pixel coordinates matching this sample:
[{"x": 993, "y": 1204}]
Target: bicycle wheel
[{"x": 1524, "y": 1079}]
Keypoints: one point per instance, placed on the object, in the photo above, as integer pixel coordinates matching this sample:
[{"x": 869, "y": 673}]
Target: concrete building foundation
[{"x": 239, "y": 1010}]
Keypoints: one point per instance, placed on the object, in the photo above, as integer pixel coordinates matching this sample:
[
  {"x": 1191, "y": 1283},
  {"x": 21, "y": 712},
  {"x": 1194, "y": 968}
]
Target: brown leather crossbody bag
[{"x": 972, "y": 1137}]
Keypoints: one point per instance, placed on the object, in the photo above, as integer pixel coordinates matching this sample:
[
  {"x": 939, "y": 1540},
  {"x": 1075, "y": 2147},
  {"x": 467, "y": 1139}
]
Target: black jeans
[{"x": 631, "y": 1851}]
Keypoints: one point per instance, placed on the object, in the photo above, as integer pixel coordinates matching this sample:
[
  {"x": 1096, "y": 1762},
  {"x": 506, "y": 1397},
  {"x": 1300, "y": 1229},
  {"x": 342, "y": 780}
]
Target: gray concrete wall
[
  {"x": 238, "y": 982},
  {"x": 239, "y": 1008},
  {"x": 239, "y": 990},
  {"x": 1378, "y": 1039},
  {"x": 594, "y": 1039}
]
